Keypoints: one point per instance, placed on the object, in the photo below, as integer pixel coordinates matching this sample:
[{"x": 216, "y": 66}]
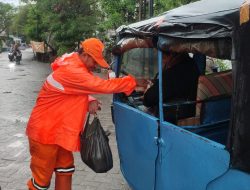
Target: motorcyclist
[
  {"x": 17, "y": 53},
  {"x": 16, "y": 49}
]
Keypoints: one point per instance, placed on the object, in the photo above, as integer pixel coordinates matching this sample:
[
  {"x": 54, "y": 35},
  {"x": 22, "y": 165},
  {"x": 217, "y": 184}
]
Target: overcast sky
[{"x": 13, "y": 2}]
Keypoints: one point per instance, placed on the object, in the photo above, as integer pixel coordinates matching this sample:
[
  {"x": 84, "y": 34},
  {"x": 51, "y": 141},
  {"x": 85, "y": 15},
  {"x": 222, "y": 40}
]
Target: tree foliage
[
  {"x": 62, "y": 22},
  {"x": 165, "y": 5},
  {"x": 19, "y": 21},
  {"x": 121, "y": 12},
  {"x": 6, "y": 15},
  {"x": 116, "y": 13}
]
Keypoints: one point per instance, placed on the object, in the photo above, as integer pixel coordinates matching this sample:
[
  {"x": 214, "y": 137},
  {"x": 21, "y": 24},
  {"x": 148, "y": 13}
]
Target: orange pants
[{"x": 45, "y": 159}]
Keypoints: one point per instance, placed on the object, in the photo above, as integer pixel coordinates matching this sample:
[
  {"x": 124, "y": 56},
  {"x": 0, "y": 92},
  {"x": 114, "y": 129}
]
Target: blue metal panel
[
  {"x": 232, "y": 180},
  {"x": 188, "y": 161},
  {"x": 216, "y": 110},
  {"x": 135, "y": 133}
]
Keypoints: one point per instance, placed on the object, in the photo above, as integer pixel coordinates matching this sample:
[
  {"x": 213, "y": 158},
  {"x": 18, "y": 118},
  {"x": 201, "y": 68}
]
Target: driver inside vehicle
[{"x": 179, "y": 81}]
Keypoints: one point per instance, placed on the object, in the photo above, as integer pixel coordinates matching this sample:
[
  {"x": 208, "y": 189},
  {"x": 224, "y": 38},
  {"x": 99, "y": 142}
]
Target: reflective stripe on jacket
[{"x": 62, "y": 103}]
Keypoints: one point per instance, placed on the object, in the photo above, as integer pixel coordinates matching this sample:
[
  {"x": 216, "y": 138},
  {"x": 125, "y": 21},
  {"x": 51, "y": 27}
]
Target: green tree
[
  {"x": 63, "y": 22},
  {"x": 222, "y": 64},
  {"x": 165, "y": 5},
  {"x": 124, "y": 12},
  {"x": 119, "y": 12},
  {"x": 116, "y": 13},
  {"x": 6, "y": 14},
  {"x": 19, "y": 21}
]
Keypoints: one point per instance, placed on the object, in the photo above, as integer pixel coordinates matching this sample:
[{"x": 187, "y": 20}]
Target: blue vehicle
[{"x": 210, "y": 148}]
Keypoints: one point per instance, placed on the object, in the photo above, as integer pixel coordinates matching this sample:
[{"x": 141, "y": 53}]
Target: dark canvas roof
[
  {"x": 204, "y": 26},
  {"x": 217, "y": 17}
]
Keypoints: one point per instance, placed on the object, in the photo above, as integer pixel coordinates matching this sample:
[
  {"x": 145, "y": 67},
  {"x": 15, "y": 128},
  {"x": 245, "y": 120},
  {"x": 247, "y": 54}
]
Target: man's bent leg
[{"x": 43, "y": 159}]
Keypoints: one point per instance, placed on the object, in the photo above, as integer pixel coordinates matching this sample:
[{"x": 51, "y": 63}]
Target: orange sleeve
[{"x": 87, "y": 83}]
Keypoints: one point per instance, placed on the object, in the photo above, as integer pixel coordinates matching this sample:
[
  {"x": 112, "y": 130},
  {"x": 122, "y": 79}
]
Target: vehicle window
[
  {"x": 141, "y": 63},
  {"x": 217, "y": 65}
]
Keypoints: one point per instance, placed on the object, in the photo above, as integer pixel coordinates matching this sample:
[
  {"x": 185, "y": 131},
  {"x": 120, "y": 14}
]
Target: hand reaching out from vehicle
[
  {"x": 142, "y": 85},
  {"x": 94, "y": 106},
  {"x": 149, "y": 84}
]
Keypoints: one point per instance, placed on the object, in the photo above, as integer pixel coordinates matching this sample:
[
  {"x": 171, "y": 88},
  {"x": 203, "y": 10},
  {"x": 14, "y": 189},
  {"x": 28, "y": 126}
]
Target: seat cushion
[{"x": 213, "y": 85}]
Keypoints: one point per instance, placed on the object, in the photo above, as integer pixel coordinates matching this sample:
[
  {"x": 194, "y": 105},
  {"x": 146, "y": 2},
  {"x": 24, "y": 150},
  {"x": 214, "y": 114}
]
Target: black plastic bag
[{"x": 95, "y": 150}]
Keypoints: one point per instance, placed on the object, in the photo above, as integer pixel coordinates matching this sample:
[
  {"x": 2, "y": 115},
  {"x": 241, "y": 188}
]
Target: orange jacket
[{"x": 62, "y": 103}]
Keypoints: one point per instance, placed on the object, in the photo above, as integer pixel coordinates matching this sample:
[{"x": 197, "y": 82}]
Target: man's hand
[{"x": 94, "y": 106}]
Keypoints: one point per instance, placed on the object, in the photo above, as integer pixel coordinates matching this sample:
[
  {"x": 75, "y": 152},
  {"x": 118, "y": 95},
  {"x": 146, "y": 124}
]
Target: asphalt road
[{"x": 19, "y": 85}]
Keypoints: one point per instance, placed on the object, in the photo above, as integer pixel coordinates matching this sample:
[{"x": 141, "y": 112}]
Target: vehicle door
[
  {"x": 136, "y": 131},
  {"x": 186, "y": 160}
]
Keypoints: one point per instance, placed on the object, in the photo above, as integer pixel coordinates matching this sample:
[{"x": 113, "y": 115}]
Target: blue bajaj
[{"x": 191, "y": 132}]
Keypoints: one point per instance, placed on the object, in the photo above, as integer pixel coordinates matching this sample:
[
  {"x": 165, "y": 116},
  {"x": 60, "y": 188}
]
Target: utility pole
[
  {"x": 140, "y": 10},
  {"x": 151, "y": 8},
  {"x": 144, "y": 9}
]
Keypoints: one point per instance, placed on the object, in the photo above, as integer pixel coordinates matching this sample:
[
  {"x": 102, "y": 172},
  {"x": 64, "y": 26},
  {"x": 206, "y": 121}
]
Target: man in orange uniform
[{"x": 59, "y": 114}]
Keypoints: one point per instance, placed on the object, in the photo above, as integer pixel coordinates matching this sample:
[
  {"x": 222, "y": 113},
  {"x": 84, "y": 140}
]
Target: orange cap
[{"x": 94, "y": 47}]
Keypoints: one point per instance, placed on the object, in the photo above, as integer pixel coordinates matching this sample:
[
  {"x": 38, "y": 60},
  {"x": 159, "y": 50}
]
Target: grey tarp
[{"x": 216, "y": 17}]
